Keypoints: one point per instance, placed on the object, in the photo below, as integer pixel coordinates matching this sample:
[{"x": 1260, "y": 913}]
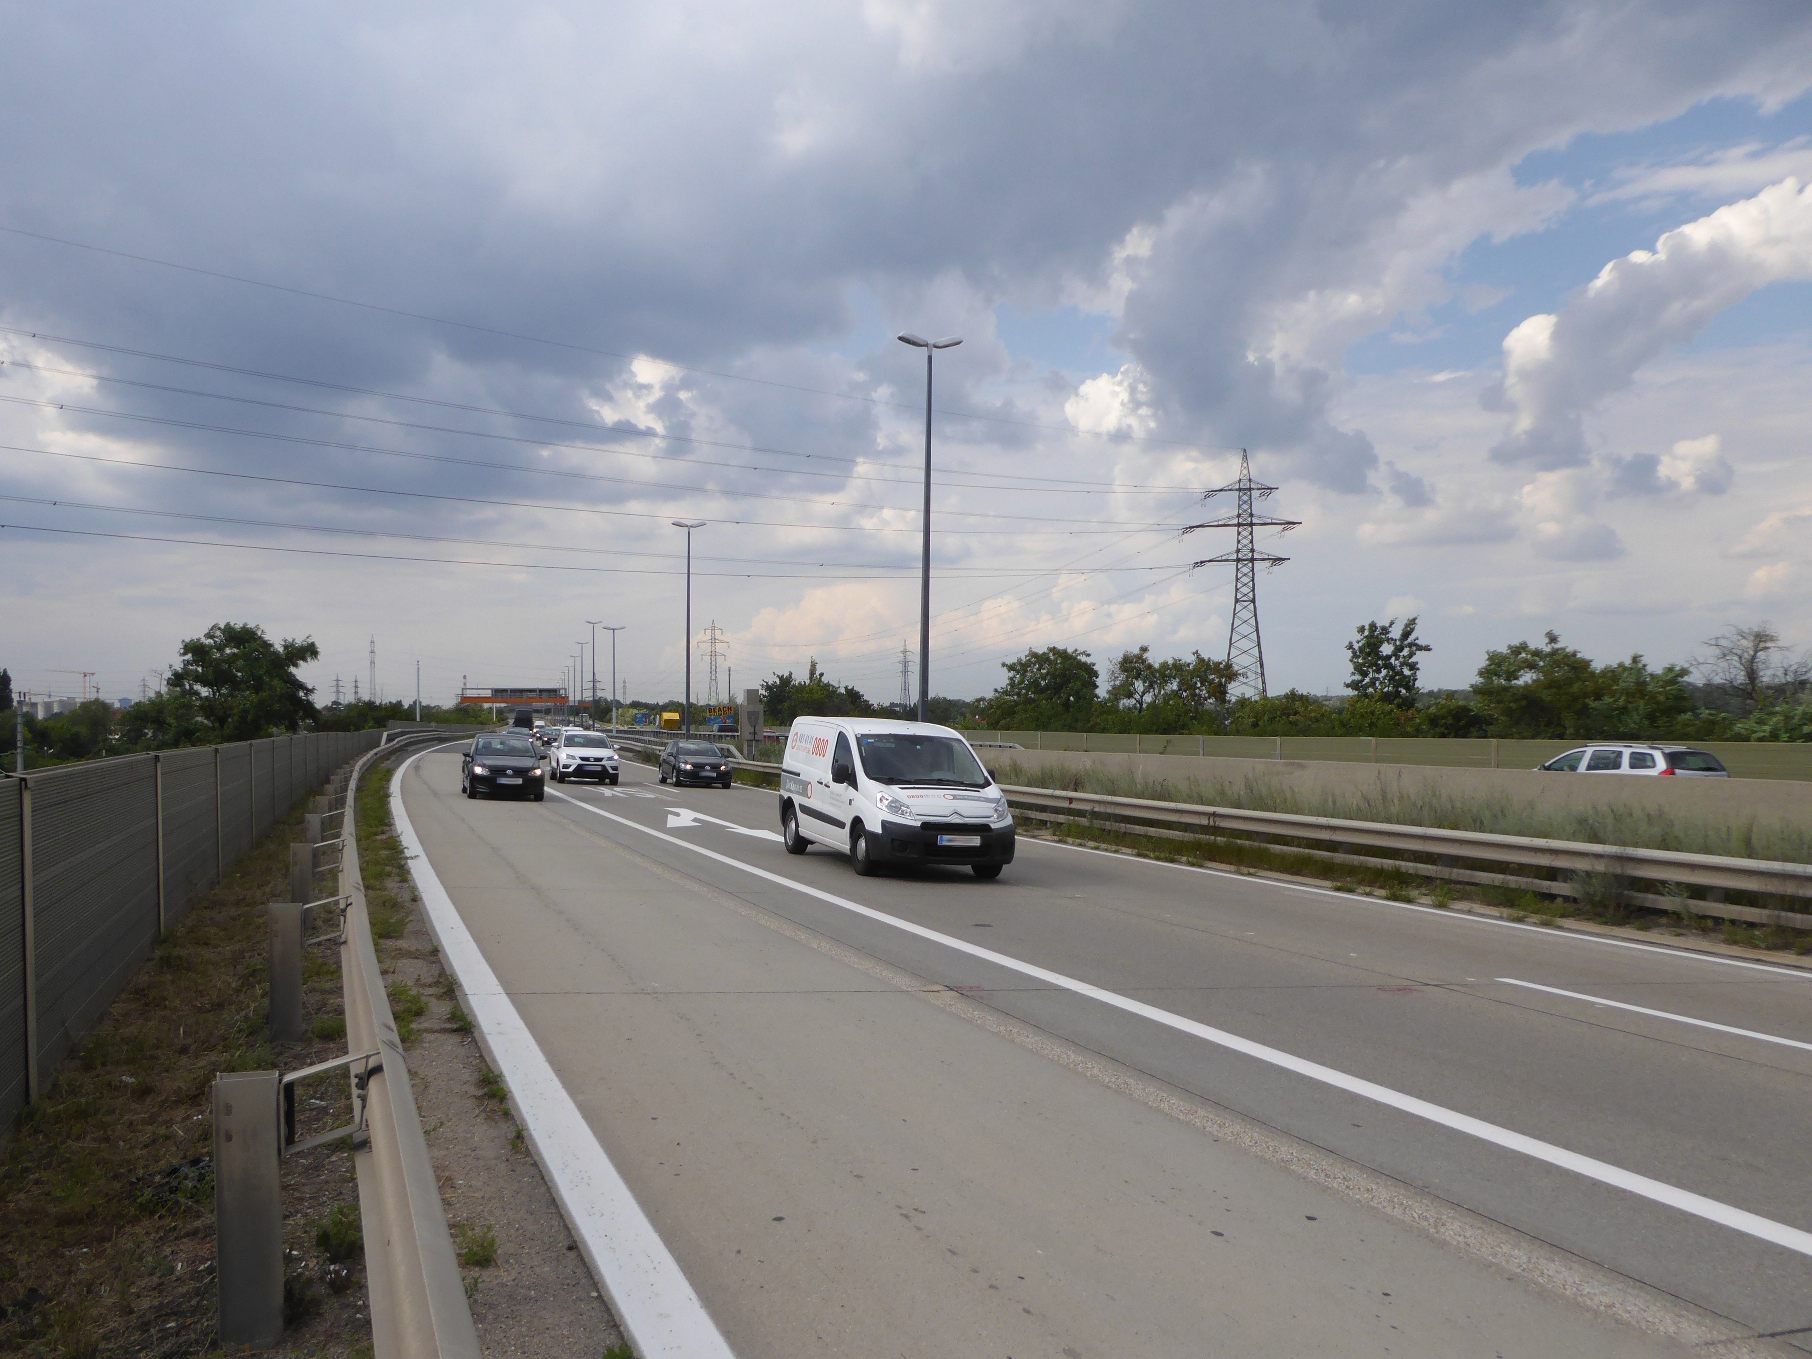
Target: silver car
[{"x": 1639, "y": 758}]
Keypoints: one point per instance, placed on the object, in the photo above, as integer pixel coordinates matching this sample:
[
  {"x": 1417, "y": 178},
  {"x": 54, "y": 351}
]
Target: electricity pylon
[{"x": 1245, "y": 649}]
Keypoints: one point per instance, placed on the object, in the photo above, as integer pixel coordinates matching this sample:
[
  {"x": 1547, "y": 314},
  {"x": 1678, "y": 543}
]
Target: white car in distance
[{"x": 581, "y": 754}]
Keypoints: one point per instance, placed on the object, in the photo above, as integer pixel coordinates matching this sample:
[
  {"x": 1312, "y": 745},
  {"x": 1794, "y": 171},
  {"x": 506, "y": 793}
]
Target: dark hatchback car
[
  {"x": 502, "y": 764},
  {"x": 694, "y": 762}
]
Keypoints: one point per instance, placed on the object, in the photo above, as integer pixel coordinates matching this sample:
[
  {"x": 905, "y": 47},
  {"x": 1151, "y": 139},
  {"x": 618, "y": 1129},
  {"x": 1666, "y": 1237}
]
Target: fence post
[
  {"x": 28, "y": 910},
  {"x": 1494, "y": 752},
  {"x": 286, "y": 921},
  {"x": 157, "y": 783},
  {"x": 219, "y": 828},
  {"x": 301, "y": 871},
  {"x": 1279, "y": 741},
  {"x": 1201, "y": 745},
  {"x": 1374, "y": 741},
  {"x": 1137, "y": 743},
  {"x": 248, "y": 1211}
]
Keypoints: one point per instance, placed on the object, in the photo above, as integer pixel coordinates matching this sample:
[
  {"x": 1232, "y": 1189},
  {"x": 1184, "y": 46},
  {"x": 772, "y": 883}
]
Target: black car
[
  {"x": 502, "y": 764},
  {"x": 694, "y": 762}
]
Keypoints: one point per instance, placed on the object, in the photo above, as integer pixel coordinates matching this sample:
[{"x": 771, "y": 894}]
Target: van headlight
[
  {"x": 1000, "y": 810},
  {"x": 893, "y": 806}
]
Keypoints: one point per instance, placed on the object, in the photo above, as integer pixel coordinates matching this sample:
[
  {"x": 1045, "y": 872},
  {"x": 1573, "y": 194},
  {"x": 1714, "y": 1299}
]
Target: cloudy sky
[{"x": 422, "y": 323}]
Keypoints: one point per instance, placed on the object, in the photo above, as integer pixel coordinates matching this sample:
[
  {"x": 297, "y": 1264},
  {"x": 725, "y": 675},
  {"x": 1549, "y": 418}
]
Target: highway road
[{"x": 1109, "y": 1107}]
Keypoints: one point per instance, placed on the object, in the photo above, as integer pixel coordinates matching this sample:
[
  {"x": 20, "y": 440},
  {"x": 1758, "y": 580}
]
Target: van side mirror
[{"x": 842, "y": 773}]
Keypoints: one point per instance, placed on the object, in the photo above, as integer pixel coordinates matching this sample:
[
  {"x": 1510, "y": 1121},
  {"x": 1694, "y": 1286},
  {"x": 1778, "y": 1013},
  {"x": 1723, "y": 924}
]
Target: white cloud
[
  {"x": 1558, "y": 367},
  {"x": 1777, "y": 580},
  {"x": 1720, "y": 174}
]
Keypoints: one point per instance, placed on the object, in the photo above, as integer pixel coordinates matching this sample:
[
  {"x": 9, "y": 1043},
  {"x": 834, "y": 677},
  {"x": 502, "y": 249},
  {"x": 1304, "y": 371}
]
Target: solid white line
[
  {"x": 1458, "y": 918},
  {"x": 657, "y": 1307},
  {"x": 1737, "y": 1219},
  {"x": 1662, "y": 1014}
]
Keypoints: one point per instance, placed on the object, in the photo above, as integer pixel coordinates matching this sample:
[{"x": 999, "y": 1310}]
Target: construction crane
[{"x": 86, "y": 676}]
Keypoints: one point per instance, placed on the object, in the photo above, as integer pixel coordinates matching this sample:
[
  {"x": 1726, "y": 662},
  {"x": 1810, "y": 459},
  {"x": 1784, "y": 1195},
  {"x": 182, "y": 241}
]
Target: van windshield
[{"x": 901, "y": 758}]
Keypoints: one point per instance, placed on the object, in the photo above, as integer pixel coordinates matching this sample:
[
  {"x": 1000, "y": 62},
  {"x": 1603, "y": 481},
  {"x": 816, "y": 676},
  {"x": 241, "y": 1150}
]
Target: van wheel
[
  {"x": 789, "y": 831},
  {"x": 859, "y": 858},
  {"x": 986, "y": 872}
]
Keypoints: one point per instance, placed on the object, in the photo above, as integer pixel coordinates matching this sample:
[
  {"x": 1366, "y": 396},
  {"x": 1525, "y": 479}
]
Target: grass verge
[{"x": 106, "y": 1186}]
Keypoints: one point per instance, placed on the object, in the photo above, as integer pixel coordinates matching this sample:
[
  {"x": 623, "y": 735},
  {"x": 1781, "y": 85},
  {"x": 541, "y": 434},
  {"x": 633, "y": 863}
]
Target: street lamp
[
  {"x": 686, "y": 700},
  {"x": 930, "y": 347},
  {"x": 572, "y": 714},
  {"x": 613, "y": 629},
  {"x": 594, "y": 668}
]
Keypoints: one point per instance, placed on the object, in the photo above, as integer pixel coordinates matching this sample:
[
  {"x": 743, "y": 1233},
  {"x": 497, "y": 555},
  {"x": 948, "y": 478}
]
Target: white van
[{"x": 891, "y": 792}]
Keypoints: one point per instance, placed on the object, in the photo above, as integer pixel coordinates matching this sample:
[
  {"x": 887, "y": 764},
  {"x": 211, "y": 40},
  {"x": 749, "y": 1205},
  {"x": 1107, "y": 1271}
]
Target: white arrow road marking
[{"x": 683, "y": 818}]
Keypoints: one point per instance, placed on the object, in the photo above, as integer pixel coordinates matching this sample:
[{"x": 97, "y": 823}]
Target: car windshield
[
  {"x": 589, "y": 740},
  {"x": 498, "y": 745},
  {"x": 696, "y": 750},
  {"x": 907, "y": 757}
]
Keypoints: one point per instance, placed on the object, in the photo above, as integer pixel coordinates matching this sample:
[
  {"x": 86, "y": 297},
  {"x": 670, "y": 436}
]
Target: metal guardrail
[
  {"x": 1439, "y": 848},
  {"x": 1441, "y": 851},
  {"x": 418, "y": 1300}
]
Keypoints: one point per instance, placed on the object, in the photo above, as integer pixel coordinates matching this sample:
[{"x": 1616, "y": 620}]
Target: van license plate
[
  {"x": 509, "y": 780},
  {"x": 960, "y": 841}
]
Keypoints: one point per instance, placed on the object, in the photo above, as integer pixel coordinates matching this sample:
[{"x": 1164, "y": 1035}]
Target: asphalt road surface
[{"x": 1103, "y": 1107}]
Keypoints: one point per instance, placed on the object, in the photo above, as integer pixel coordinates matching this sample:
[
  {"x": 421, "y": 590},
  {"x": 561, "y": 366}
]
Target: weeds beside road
[{"x": 107, "y": 1186}]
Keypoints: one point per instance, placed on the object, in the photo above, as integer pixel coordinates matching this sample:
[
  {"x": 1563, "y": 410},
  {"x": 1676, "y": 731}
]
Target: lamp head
[
  {"x": 688, "y": 523},
  {"x": 950, "y": 342},
  {"x": 914, "y": 341}
]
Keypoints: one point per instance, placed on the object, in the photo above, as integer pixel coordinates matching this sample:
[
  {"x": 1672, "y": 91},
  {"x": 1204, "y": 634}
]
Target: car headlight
[
  {"x": 535, "y": 773},
  {"x": 480, "y": 769},
  {"x": 685, "y": 764},
  {"x": 893, "y": 805},
  {"x": 1000, "y": 810}
]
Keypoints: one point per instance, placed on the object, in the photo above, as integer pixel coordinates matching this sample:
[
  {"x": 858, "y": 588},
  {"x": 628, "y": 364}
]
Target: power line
[
  {"x": 1074, "y": 485},
  {"x": 586, "y": 349},
  {"x": 439, "y": 561},
  {"x": 493, "y": 502},
  {"x": 519, "y": 468},
  {"x": 966, "y": 569}
]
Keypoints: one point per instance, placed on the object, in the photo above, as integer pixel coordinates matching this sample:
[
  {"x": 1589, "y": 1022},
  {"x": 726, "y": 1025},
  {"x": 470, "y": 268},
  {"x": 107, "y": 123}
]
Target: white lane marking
[
  {"x": 657, "y": 1307},
  {"x": 683, "y": 818},
  {"x": 1662, "y": 1014},
  {"x": 1545, "y": 931},
  {"x": 1657, "y": 1191}
]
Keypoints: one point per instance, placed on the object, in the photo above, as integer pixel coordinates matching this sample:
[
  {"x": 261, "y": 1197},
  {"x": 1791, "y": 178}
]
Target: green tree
[
  {"x": 243, "y": 684},
  {"x": 784, "y": 697},
  {"x": 1529, "y": 691},
  {"x": 83, "y": 733},
  {"x": 1049, "y": 690},
  {"x": 1293, "y": 713},
  {"x": 1179, "y": 694},
  {"x": 1385, "y": 664},
  {"x": 1636, "y": 702},
  {"x": 1451, "y": 717},
  {"x": 164, "y": 721},
  {"x": 6, "y": 691},
  {"x": 1134, "y": 682}
]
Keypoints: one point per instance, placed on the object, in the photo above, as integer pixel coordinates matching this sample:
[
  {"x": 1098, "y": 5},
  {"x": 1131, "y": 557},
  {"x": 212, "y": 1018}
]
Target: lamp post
[
  {"x": 686, "y": 699},
  {"x": 572, "y": 715},
  {"x": 930, "y": 347},
  {"x": 594, "y": 668},
  {"x": 613, "y": 629}
]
